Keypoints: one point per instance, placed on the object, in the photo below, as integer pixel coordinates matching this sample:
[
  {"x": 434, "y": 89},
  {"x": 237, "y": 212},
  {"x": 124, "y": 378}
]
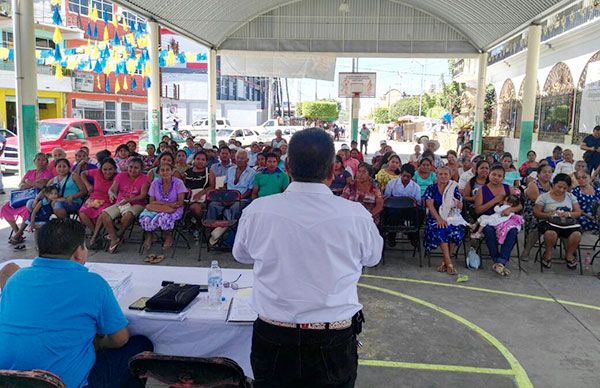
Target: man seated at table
[
  {"x": 239, "y": 177},
  {"x": 57, "y": 316}
]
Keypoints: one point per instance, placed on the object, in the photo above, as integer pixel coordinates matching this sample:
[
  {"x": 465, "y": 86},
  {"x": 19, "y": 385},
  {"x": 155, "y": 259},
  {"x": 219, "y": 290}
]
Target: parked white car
[
  {"x": 200, "y": 128},
  {"x": 244, "y": 136},
  {"x": 269, "y": 135},
  {"x": 272, "y": 125}
]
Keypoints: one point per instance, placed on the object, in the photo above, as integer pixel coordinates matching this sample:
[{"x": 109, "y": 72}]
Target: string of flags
[{"x": 125, "y": 54}]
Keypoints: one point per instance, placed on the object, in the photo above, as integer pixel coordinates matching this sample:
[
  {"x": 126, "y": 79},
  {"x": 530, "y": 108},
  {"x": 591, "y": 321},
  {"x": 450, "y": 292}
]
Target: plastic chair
[
  {"x": 29, "y": 379},
  {"x": 225, "y": 198},
  {"x": 401, "y": 215},
  {"x": 188, "y": 372},
  {"x": 559, "y": 243}
]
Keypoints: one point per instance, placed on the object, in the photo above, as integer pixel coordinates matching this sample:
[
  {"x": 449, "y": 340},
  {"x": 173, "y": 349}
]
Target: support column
[
  {"x": 355, "y": 106},
  {"x": 270, "y": 98},
  {"x": 479, "y": 104},
  {"x": 154, "y": 119},
  {"x": 212, "y": 95},
  {"x": 26, "y": 83},
  {"x": 530, "y": 90}
]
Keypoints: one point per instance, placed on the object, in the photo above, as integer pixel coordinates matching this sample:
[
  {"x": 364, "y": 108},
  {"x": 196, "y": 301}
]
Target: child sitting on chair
[
  {"x": 498, "y": 221},
  {"x": 41, "y": 211}
]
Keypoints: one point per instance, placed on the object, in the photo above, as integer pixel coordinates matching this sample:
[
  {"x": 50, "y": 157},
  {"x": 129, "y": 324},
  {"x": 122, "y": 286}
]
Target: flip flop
[
  {"x": 150, "y": 258},
  {"x": 158, "y": 259},
  {"x": 450, "y": 270},
  {"x": 113, "y": 248},
  {"x": 442, "y": 267},
  {"x": 19, "y": 247}
]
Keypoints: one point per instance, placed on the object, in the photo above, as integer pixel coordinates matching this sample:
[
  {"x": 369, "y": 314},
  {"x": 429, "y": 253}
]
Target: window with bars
[
  {"x": 81, "y": 7},
  {"x": 132, "y": 17}
]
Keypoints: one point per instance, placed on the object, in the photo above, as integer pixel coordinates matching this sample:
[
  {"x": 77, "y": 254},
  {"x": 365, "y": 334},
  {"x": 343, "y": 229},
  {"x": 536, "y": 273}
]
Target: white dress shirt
[{"x": 308, "y": 248}]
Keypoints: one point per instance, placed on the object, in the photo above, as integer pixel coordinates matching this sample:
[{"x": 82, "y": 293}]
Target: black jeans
[
  {"x": 283, "y": 357},
  {"x": 111, "y": 368}
]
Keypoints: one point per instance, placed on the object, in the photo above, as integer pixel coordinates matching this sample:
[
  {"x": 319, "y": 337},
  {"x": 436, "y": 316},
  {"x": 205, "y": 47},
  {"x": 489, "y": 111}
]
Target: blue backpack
[{"x": 473, "y": 261}]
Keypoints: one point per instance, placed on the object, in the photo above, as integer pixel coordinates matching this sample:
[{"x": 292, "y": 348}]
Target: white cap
[
  {"x": 345, "y": 147},
  {"x": 382, "y": 142},
  {"x": 207, "y": 146}
]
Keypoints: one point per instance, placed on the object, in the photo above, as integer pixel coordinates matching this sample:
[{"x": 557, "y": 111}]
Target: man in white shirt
[
  {"x": 306, "y": 272},
  {"x": 469, "y": 173},
  {"x": 567, "y": 166}
]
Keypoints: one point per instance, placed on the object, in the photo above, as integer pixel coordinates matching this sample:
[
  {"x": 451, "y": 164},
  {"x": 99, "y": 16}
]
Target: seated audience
[
  {"x": 554, "y": 210},
  {"x": 150, "y": 157},
  {"x": 588, "y": 197},
  {"x": 219, "y": 170},
  {"x": 33, "y": 179},
  {"x": 98, "y": 199},
  {"x": 165, "y": 207},
  {"x": 490, "y": 195},
  {"x": 253, "y": 154},
  {"x": 389, "y": 172},
  {"x": 82, "y": 158},
  {"x": 71, "y": 190},
  {"x": 181, "y": 165},
  {"x": 414, "y": 158},
  {"x": 443, "y": 200},
  {"x": 128, "y": 193},
  {"x": 567, "y": 166},
  {"x": 132, "y": 146},
  {"x": 423, "y": 176},
  {"x": 41, "y": 211},
  {"x": 58, "y": 316},
  {"x": 239, "y": 177},
  {"x": 122, "y": 157},
  {"x": 529, "y": 165},
  {"x": 349, "y": 162},
  {"x": 198, "y": 181},
  {"x": 511, "y": 176},
  {"x": 341, "y": 176},
  {"x": 404, "y": 186},
  {"x": 57, "y": 153},
  {"x": 556, "y": 157},
  {"x": 477, "y": 181},
  {"x": 365, "y": 191},
  {"x": 452, "y": 164},
  {"x": 580, "y": 165},
  {"x": 261, "y": 162},
  {"x": 469, "y": 168},
  {"x": 542, "y": 184},
  {"x": 271, "y": 180},
  {"x": 166, "y": 158}
]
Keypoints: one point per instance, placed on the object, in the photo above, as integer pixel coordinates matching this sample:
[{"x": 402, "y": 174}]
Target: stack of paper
[
  {"x": 118, "y": 280},
  {"x": 240, "y": 310}
]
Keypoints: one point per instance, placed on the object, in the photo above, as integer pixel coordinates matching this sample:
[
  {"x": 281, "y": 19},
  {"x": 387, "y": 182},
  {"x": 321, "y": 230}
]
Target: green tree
[
  {"x": 488, "y": 105},
  {"x": 320, "y": 110},
  {"x": 299, "y": 109},
  {"x": 381, "y": 115},
  {"x": 406, "y": 106}
]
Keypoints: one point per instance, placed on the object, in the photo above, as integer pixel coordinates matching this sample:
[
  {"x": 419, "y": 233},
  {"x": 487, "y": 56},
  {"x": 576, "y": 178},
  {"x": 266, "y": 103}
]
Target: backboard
[{"x": 357, "y": 84}]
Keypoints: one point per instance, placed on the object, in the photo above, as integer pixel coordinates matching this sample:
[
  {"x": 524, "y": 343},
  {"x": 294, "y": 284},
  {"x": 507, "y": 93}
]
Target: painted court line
[
  {"x": 519, "y": 373},
  {"x": 487, "y": 290},
  {"x": 437, "y": 367}
]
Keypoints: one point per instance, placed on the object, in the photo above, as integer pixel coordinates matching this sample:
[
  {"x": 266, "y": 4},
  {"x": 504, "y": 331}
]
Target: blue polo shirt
[
  {"x": 244, "y": 183},
  {"x": 49, "y": 315}
]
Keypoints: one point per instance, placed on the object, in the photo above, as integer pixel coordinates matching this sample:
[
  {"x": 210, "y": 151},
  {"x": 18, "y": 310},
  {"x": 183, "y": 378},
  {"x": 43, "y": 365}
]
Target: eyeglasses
[{"x": 233, "y": 285}]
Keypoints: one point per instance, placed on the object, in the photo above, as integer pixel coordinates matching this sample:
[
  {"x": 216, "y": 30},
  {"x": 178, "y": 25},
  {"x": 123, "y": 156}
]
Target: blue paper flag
[
  {"x": 105, "y": 16},
  {"x": 133, "y": 84},
  {"x": 107, "y": 84},
  {"x": 132, "y": 25},
  {"x": 105, "y": 53},
  {"x": 201, "y": 57},
  {"x": 95, "y": 30},
  {"x": 56, "y": 16},
  {"x": 181, "y": 57},
  {"x": 98, "y": 68},
  {"x": 148, "y": 83},
  {"x": 125, "y": 42},
  {"x": 116, "y": 40},
  {"x": 11, "y": 54},
  {"x": 161, "y": 61},
  {"x": 57, "y": 54},
  {"x": 88, "y": 30}
]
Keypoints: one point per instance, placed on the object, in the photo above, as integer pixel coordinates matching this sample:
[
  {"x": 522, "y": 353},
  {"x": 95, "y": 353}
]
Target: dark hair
[
  {"x": 310, "y": 155},
  {"x": 131, "y": 141},
  {"x": 161, "y": 156},
  {"x": 409, "y": 168},
  {"x": 473, "y": 180},
  {"x": 423, "y": 160},
  {"x": 60, "y": 237},
  {"x": 597, "y": 128},
  {"x": 562, "y": 178},
  {"x": 101, "y": 155},
  {"x": 557, "y": 148},
  {"x": 506, "y": 155},
  {"x": 121, "y": 147},
  {"x": 386, "y": 157},
  {"x": 366, "y": 166},
  {"x": 531, "y": 152},
  {"x": 189, "y": 138},
  {"x": 163, "y": 142},
  {"x": 110, "y": 161},
  {"x": 452, "y": 152},
  {"x": 177, "y": 153},
  {"x": 62, "y": 160},
  {"x": 136, "y": 160},
  {"x": 272, "y": 155},
  {"x": 151, "y": 145},
  {"x": 339, "y": 159},
  {"x": 263, "y": 154},
  {"x": 428, "y": 154},
  {"x": 41, "y": 155},
  {"x": 541, "y": 167},
  {"x": 513, "y": 200},
  {"x": 497, "y": 167},
  {"x": 224, "y": 147},
  {"x": 48, "y": 189},
  {"x": 200, "y": 153}
]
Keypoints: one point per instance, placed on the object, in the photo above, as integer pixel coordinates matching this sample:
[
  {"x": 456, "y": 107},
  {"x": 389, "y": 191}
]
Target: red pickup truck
[{"x": 70, "y": 135}]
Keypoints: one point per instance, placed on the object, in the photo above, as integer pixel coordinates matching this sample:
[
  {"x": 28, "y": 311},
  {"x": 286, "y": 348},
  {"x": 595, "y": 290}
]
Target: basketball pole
[{"x": 355, "y": 105}]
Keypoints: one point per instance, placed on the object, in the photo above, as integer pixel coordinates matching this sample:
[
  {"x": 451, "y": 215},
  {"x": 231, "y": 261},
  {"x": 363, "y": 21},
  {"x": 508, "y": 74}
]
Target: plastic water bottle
[
  {"x": 587, "y": 261},
  {"x": 215, "y": 284}
]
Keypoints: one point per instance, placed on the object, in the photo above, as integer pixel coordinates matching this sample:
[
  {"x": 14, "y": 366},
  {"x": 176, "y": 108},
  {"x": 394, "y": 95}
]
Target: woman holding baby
[{"x": 488, "y": 197}]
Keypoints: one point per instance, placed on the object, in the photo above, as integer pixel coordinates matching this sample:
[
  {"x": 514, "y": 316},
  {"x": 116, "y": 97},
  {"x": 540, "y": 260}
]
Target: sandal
[
  {"x": 547, "y": 263},
  {"x": 158, "y": 259},
  {"x": 16, "y": 240},
  {"x": 19, "y": 247},
  {"x": 499, "y": 269},
  {"x": 150, "y": 258},
  {"x": 572, "y": 264},
  {"x": 442, "y": 267},
  {"x": 450, "y": 269},
  {"x": 113, "y": 248}
]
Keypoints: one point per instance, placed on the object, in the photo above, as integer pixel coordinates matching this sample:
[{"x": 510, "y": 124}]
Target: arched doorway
[
  {"x": 578, "y": 137},
  {"x": 507, "y": 108},
  {"x": 556, "y": 111}
]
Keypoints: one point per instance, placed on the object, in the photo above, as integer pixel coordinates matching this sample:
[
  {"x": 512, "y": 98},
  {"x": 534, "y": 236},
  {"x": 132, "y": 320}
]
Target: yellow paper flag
[
  {"x": 105, "y": 37},
  {"x": 190, "y": 57},
  {"x": 124, "y": 25},
  {"x": 95, "y": 52},
  {"x": 125, "y": 84},
  {"x": 88, "y": 49},
  {"x": 3, "y": 53},
  {"x": 58, "y": 73},
  {"x": 57, "y": 38},
  {"x": 55, "y": 2},
  {"x": 130, "y": 66},
  {"x": 114, "y": 21},
  {"x": 117, "y": 86},
  {"x": 71, "y": 63},
  {"x": 98, "y": 81},
  {"x": 90, "y": 12},
  {"x": 94, "y": 15}
]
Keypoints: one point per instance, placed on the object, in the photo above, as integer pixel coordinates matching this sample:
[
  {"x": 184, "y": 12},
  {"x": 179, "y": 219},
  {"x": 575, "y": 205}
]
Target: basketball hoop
[{"x": 355, "y": 94}]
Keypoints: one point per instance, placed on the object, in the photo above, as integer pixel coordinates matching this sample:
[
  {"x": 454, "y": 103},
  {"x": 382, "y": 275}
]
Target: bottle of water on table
[{"x": 215, "y": 284}]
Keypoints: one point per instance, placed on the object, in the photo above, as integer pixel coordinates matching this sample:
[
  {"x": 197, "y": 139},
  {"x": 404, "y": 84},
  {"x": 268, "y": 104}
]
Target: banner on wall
[{"x": 589, "y": 115}]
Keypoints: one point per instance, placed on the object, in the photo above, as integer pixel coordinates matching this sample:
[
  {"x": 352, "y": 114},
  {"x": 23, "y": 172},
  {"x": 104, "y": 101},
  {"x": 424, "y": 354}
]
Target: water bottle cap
[{"x": 214, "y": 263}]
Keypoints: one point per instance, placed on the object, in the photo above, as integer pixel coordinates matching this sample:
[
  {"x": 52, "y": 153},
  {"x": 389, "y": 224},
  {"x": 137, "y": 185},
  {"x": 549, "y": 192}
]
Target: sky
[{"x": 392, "y": 73}]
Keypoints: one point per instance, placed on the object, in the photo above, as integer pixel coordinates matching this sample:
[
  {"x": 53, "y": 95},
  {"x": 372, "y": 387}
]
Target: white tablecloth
[{"x": 204, "y": 332}]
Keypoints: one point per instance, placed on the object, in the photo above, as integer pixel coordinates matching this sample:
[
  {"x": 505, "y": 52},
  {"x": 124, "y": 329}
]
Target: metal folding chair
[
  {"x": 401, "y": 215},
  {"x": 29, "y": 379},
  {"x": 225, "y": 198}
]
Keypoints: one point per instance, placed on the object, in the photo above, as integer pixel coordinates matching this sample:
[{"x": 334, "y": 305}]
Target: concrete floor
[{"x": 425, "y": 330}]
